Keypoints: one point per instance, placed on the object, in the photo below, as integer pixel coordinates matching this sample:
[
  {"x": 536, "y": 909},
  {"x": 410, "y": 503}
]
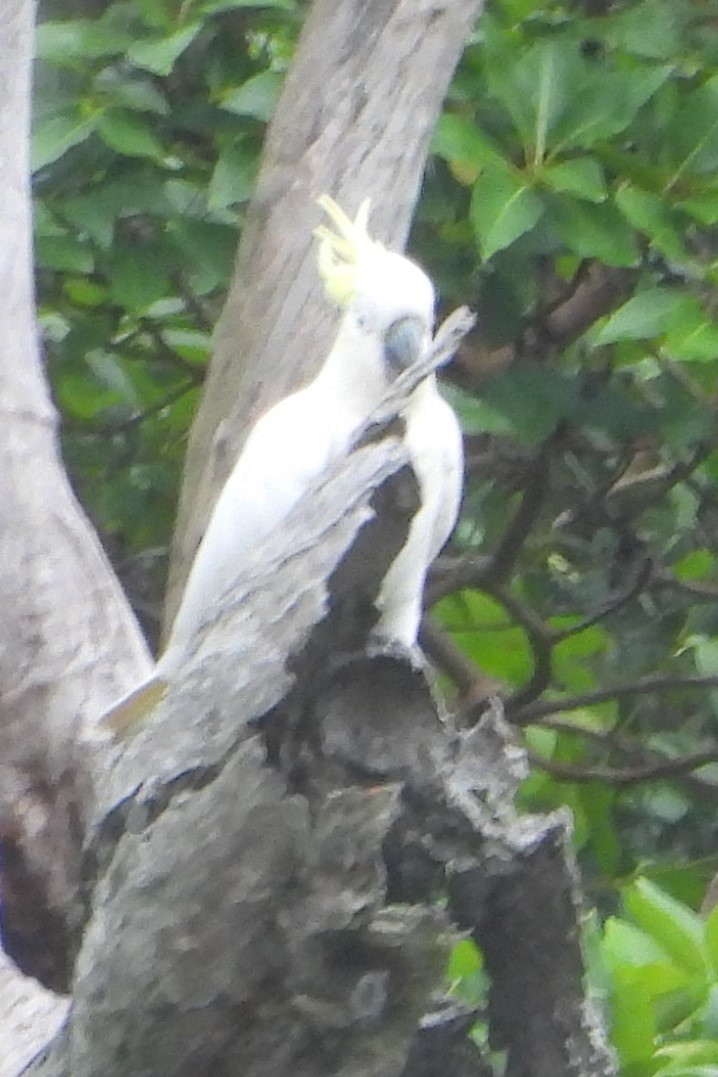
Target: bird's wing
[
  {"x": 134, "y": 706},
  {"x": 289, "y": 446},
  {"x": 433, "y": 438},
  {"x": 444, "y": 471}
]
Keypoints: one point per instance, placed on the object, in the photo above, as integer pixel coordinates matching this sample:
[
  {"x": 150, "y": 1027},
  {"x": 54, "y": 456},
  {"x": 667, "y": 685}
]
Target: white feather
[
  {"x": 433, "y": 438},
  {"x": 294, "y": 441}
]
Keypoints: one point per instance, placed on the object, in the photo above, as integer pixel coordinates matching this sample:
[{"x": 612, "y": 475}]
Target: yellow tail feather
[{"x": 134, "y": 706}]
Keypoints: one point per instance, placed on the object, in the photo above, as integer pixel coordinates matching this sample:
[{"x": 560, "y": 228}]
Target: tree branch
[
  {"x": 665, "y": 768},
  {"x": 535, "y": 711},
  {"x": 614, "y": 603},
  {"x": 504, "y": 557}
]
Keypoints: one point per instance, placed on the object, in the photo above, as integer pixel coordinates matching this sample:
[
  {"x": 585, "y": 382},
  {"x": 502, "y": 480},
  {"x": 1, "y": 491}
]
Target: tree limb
[
  {"x": 68, "y": 640},
  {"x": 535, "y": 711}
]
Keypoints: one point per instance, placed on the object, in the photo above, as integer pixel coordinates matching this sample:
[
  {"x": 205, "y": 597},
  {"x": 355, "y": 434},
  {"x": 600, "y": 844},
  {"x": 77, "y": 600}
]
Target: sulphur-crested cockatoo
[{"x": 388, "y": 316}]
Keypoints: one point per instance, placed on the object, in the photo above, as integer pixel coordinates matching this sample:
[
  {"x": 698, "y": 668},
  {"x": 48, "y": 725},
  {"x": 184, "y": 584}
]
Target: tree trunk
[
  {"x": 258, "y": 890},
  {"x": 68, "y": 639},
  {"x": 270, "y": 849},
  {"x": 358, "y": 109}
]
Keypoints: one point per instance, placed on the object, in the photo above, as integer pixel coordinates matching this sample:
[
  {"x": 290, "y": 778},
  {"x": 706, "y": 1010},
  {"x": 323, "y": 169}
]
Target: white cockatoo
[{"x": 388, "y": 317}]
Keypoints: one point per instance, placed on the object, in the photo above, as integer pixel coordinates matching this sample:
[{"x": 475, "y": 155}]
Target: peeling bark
[
  {"x": 269, "y": 849},
  {"x": 258, "y": 884}
]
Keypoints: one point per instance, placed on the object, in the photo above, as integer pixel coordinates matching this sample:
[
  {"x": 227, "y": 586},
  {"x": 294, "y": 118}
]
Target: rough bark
[
  {"x": 355, "y": 118},
  {"x": 68, "y": 640},
  {"x": 259, "y": 883},
  {"x": 269, "y": 850}
]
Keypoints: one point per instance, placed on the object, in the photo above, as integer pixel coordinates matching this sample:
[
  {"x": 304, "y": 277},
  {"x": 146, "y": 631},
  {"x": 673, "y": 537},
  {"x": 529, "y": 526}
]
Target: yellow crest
[{"x": 341, "y": 249}]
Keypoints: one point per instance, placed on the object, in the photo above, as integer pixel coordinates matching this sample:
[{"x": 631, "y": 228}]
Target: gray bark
[
  {"x": 269, "y": 849},
  {"x": 355, "y": 118},
  {"x": 68, "y": 640},
  {"x": 257, "y": 890}
]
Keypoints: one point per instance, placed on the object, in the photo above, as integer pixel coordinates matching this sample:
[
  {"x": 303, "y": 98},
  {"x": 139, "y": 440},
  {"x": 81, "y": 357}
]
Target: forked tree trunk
[
  {"x": 270, "y": 850},
  {"x": 258, "y": 890}
]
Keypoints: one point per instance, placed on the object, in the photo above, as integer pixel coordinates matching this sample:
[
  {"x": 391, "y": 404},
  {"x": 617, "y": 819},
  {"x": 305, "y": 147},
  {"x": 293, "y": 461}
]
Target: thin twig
[
  {"x": 119, "y": 425},
  {"x": 696, "y": 588},
  {"x": 535, "y": 711},
  {"x": 506, "y": 553},
  {"x": 612, "y": 605},
  {"x": 446, "y": 655},
  {"x": 665, "y": 768},
  {"x": 456, "y": 574}
]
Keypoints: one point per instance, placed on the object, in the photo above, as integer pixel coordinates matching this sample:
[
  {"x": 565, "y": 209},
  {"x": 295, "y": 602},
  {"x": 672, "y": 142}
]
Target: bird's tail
[{"x": 134, "y": 706}]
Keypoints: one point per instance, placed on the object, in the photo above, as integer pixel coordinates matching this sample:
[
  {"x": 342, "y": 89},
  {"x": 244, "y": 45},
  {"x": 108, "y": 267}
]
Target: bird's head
[{"x": 383, "y": 294}]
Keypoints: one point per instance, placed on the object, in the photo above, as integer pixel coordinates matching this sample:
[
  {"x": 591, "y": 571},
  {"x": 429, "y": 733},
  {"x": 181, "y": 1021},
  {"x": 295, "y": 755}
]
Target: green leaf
[
  {"x": 482, "y": 630},
  {"x": 54, "y": 136},
  {"x": 256, "y": 97},
  {"x": 160, "y": 55},
  {"x": 63, "y": 253},
  {"x": 607, "y": 104},
  {"x": 192, "y": 344},
  {"x": 535, "y": 85},
  {"x": 233, "y": 177},
  {"x": 651, "y": 215},
  {"x": 533, "y": 398},
  {"x": 475, "y": 415},
  {"x": 691, "y": 1053},
  {"x": 633, "y": 1025},
  {"x": 463, "y": 144},
  {"x": 503, "y": 207},
  {"x": 207, "y": 250},
  {"x": 702, "y": 205},
  {"x": 696, "y": 565},
  {"x": 627, "y": 30},
  {"x": 680, "y": 1070},
  {"x": 712, "y": 938},
  {"x": 598, "y": 802},
  {"x": 212, "y": 6},
  {"x": 595, "y": 231},
  {"x": 692, "y": 137},
  {"x": 709, "y": 1014},
  {"x": 156, "y": 13},
  {"x": 643, "y": 317},
  {"x": 465, "y": 960},
  {"x": 465, "y": 973},
  {"x": 79, "y": 396},
  {"x": 138, "y": 277},
  {"x": 130, "y": 135},
  {"x": 109, "y": 372},
  {"x": 581, "y": 176},
  {"x": 83, "y": 292},
  {"x": 71, "y": 40},
  {"x": 626, "y": 946},
  {"x": 691, "y": 335},
  {"x": 138, "y": 94},
  {"x": 677, "y": 929}
]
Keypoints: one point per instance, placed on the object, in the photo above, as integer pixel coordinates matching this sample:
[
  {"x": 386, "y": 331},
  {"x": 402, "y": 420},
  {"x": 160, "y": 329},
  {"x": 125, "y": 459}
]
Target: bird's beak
[{"x": 404, "y": 342}]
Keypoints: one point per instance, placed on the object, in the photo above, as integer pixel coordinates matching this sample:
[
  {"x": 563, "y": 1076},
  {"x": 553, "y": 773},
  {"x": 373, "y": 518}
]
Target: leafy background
[{"x": 570, "y": 198}]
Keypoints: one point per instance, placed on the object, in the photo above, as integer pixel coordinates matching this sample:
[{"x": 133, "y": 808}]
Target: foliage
[
  {"x": 571, "y": 199},
  {"x": 148, "y": 127},
  {"x": 658, "y": 965},
  {"x": 653, "y": 971},
  {"x": 573, "y": 190}
]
